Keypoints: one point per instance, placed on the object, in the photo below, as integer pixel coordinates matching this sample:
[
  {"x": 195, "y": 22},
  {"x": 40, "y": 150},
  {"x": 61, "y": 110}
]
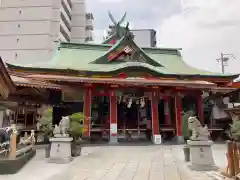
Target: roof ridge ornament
[
  {"x": 116, "y": 27},
  {"x": 127, "y": 32},
  {"x": 114, "y": 21}
]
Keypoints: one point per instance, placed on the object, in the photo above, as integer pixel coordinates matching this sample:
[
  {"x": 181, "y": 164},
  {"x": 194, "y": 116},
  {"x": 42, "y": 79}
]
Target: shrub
[
  {"x": 235, "y": 130},
  {"x": 46, "y": 122},
  {"x": 76, "y": 128}
]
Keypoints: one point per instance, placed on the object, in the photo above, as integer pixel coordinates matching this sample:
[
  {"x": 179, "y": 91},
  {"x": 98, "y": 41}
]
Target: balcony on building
[
  {"x": 89, "y": 16},
  {"x": 67, "y": 6}
]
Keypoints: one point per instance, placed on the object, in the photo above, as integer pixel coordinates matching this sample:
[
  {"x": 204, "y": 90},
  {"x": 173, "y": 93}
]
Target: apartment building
[
  {"x": 145, "y": 37},
  {"x": 29, "y": 29}
]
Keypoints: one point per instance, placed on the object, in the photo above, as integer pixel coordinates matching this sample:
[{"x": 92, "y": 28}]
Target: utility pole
[{"x": 224, "y": 60}]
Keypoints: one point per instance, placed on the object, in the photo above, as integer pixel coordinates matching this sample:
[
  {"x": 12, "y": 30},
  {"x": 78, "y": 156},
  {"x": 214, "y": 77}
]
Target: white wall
[
  {"x": 28, "y": 28},
  {"x": 78, "y": 21},
  {"x": 142, "y": 38}
]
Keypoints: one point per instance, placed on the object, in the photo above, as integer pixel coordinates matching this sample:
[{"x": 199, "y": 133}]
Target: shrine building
[{"x": 123, "y": 90}]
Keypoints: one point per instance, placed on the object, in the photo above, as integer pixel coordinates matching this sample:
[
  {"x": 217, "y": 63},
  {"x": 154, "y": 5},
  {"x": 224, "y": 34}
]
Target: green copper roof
[
  {"x": 79, "y": 57},
  {"x": 94, "y": 58},
  {"x": 86, "y": 57}
]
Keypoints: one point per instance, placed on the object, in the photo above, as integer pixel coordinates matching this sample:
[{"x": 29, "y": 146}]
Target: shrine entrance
[
  {"x": 100, "y": 123},
  {"x": 134, "y": 117}
]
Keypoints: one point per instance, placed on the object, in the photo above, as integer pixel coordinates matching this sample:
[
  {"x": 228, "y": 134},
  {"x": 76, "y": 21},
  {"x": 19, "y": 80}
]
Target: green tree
[
  {"x": 235, "y": 130},
  {"x": 76, "y": 128},
  {"x": 45, "y": 123}
]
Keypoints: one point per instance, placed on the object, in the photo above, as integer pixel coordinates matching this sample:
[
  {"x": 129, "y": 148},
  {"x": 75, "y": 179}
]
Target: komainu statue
[
  {"x": 64, "y": 125},
  {"x": 198, "y": 132}
]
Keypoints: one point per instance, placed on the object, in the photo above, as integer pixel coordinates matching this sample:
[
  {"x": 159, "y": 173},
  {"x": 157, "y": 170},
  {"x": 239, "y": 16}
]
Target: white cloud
[
  {"x": 204, "y": 29},
  {"x": 98, "y": 35}
]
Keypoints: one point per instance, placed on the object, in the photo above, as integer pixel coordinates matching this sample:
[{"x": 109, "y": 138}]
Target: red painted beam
[{"x": 87, "y": 110}]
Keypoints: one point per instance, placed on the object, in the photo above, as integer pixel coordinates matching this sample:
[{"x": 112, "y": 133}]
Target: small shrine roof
[
  {"x": 26, "y": 82},
  {"x": 6, "y": 83},
  {"x": 234, "y": 110}
]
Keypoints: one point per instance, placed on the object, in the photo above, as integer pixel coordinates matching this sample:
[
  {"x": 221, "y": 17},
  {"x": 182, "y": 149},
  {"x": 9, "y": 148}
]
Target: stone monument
[
  {"x": 200, "y": 147},
  {"x": 61, "y": 143}
]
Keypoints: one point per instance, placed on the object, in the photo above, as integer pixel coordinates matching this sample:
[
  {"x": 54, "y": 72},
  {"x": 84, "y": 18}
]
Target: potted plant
[
  {"x": 186, "y": 133},
  {"x": 235, "y": 130},
  {"x": 46, "y": 128},
  {"x": 76, "y": 130}
]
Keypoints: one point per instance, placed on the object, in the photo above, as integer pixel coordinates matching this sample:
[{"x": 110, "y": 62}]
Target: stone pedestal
[
  {"x": 60, "y": 150},
  {"x": 113, "y": 139},
  {"x": 201, "y": 156},
  {"x": 180, "y": 140}
]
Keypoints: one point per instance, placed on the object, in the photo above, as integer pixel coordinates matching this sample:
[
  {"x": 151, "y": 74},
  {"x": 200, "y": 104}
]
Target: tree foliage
[
  {"x": 235, "y": 130},
  {"x": 76, "y": 125},
  {"x": 46, "y": 122}
]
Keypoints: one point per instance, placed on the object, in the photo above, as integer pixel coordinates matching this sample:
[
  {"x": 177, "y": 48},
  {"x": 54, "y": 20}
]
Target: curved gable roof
[{"x": 6, "y": 83}]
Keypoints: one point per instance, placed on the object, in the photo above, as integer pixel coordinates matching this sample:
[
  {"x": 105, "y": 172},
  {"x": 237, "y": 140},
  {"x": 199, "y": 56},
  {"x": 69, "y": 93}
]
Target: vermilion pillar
[
  {"x": 155, "y": 118},
  {"x": 178, "y": 117},
  {"x": 167, "y": 110},
  {"x": 87, "y": 106},
  {"x": 113, "y": 118},
  {"x": 200, "y": 108}
]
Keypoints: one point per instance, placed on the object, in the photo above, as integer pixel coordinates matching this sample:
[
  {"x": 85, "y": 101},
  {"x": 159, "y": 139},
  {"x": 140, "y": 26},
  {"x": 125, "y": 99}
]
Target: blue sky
[{"x": 203, "y": 28}]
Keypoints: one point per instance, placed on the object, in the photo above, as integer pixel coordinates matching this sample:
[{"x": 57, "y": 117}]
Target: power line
[{"x": 224, "y": 60}]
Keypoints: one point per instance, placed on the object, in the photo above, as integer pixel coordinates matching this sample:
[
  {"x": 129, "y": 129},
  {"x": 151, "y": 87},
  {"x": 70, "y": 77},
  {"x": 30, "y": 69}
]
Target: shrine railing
[
  {"x": 11, "y": 147},
  {"x": 5, "y": 134}
]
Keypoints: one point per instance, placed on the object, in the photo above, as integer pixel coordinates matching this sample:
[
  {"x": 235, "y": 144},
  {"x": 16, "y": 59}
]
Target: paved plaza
[{"x": 118, "y": 163}]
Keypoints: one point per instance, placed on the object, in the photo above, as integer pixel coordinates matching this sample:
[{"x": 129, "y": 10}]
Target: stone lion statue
[
  {"x": 64, "y": 125},
  {"x": 198, "y": 132}
]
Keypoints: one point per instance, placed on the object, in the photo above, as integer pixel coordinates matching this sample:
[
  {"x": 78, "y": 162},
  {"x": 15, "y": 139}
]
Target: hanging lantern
[
  {"x": 119, "y": 99},
  {"x": 180, "y": 95},
  {"x": 142, "y": 103},
  {"x": 129, "y": 103},
  {"x": 124, "y": 99},
  {"x": 137, "y": 102},
  {"x": 8, "y": 111}
]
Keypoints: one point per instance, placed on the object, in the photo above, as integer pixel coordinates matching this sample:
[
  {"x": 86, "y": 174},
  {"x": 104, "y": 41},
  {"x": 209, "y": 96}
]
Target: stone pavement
[
  {"x": 114, "y": 163},
  {"x": 130, "y": 163}
]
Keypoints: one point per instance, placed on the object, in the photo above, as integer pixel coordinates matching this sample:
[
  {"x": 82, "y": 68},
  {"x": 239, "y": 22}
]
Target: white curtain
[{"x": 218, "y": 113}]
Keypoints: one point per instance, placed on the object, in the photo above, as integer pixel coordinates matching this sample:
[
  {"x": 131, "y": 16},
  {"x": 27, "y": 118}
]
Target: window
[
  {"x": 89, "y": 28},
  {"x": 20, "y": 12},
  {"x": 18, "y": 25},
  {"x": 16, "y": 55},
  {"x": 88, "y": 39},
  {"x": 89, "y": 16},
  {"x": 17, "y": 39}
]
